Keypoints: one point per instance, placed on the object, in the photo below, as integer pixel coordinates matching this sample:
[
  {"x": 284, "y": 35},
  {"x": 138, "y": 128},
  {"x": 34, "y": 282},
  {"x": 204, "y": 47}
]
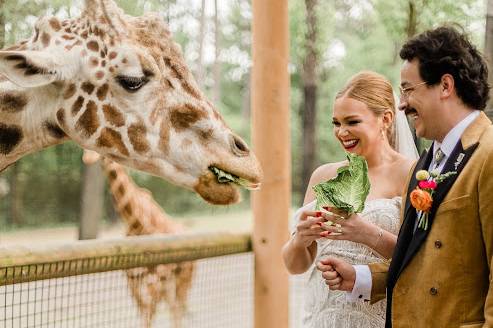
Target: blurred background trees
[{"x": 330, "y": 41}]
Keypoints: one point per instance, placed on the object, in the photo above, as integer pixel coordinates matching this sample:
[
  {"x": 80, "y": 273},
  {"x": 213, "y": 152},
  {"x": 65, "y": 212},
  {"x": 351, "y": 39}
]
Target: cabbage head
[{"x": 348, "y": 190}]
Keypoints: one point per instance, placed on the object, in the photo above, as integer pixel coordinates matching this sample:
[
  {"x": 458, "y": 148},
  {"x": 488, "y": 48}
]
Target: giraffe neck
[
  {"x": 27, "y": 121},
  {"x": 135, "y": 205}
]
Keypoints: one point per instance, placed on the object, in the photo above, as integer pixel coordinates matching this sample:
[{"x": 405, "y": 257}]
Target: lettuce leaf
[
  {"x": 225, "y": 177},
  {"x": 348, "y": 190}
]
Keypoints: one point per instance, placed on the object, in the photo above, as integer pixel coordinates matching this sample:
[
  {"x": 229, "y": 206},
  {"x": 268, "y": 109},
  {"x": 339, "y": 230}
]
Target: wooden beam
[{"x": 271, "y": 141}]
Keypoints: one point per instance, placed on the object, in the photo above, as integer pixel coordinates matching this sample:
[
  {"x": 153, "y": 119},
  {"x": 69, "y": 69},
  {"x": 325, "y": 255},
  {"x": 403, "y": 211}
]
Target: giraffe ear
[{"x": 29, "y": 68}]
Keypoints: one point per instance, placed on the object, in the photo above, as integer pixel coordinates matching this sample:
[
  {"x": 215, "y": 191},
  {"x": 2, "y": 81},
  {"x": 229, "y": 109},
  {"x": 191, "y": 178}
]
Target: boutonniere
[
  {"x": 422, "y": 197},
  {"x": 459, "y": 160}
]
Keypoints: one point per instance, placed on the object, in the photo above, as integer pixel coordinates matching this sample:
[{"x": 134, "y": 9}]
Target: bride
[{"x": 365, "y": 123}]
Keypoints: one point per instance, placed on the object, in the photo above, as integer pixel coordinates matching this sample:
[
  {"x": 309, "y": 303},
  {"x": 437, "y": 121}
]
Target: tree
[
  {"x": 309, "y": 106},
  {"x": 216, "y": 89},
  {"x": 92, "y": 197},
  {"x": 200, "y": 69}
]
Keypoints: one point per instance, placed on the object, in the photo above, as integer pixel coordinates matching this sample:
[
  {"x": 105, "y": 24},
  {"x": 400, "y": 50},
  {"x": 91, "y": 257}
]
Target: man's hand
[{"x": 338, "y": 274}]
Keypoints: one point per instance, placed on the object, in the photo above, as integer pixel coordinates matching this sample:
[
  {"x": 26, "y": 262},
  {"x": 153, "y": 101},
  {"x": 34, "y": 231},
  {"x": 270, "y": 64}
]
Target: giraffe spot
[
  {"x": 164, "y": 137},
  {"x": 124, "y": 60},
  {"x": 68, "y": 37},
  {"x": 77, "y": 105},
  {"x": 12, "y": 102},
  {"x": 113, "y": 116},
  {"x": 54, "y": 130},
  {"x": 98, "y": 32},
  {"x": 169, "y": 84},
  {"x": 68, "y": 30},
  {"x": 88, "y": 87},
  {"x": 45, "y": 39},
  {"x": 55, "y": 24},
  {"x": 93, "y": 46},
  {"x": 135, "y": 227},
  {"x": 70, "y": 91},
  {"x": 84, "y": 34},
  {"x": 120, "y": 190},
  {"x": 102, "y": 91},
  {"x": 137, "y": 134},
  {"x": 112, "y": 55},
  {"x": 10, "y": 137},
  {"x": 94, "y": 61},
  {"x": 103, "y": 63},
  {"x": 178, "y": 72},
  {"x": 112, "y": 174},
  {"x": 36, "y": 34},
  {"x": 102, "y": 54},
  {"x": 182, "y": 117},
  {"x": 60, "y": 116},
  {"x": 88, "y": 122},
  {"x": 112, "y": 139},
  {"x": 99, "y": 75},
  {"x": 190, "y": 89},
  {"x": 127, "y": 209},
  {"x": 206, "y": 134},
  {"x": 112, "y": 69}
]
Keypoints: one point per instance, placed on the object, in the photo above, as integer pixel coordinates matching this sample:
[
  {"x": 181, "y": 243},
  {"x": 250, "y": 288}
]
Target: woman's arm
[
  {"x": 359, "y": 230},
  {"x": 300, "y": 250}
]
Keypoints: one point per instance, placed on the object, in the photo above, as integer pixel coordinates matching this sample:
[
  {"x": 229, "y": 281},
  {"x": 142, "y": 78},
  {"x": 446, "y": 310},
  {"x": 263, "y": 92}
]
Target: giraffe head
[{"x": 119, "y": 85}]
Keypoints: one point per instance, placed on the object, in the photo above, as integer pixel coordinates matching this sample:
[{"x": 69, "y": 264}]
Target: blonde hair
[{"x": 375, "y": 91}]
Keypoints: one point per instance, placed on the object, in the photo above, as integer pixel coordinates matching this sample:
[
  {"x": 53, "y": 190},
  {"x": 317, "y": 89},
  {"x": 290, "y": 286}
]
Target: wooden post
[{"x": 271, "y": 141}]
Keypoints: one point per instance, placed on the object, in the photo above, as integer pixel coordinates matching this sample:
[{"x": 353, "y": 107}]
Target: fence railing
[
  {"x": 197, "y": 280},
  {"x": 30, "y": 263},
  {"x": 191, "y": 280}
]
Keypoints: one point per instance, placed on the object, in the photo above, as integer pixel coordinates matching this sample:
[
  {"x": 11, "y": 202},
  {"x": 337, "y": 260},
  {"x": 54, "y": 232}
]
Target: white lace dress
[{"x": 325, "y": 308}]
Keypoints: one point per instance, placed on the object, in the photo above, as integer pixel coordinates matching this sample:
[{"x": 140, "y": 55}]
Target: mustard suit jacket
[{"x": 442, "y": 277}]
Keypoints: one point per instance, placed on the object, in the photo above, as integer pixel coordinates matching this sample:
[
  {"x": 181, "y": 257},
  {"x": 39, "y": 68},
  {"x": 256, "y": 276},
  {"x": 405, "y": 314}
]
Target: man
[{"x": 440, "y": 276}]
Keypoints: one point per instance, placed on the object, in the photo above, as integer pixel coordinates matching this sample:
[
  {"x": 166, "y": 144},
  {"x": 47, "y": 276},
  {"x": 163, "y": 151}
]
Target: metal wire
[{"x": 113, "y": 289}]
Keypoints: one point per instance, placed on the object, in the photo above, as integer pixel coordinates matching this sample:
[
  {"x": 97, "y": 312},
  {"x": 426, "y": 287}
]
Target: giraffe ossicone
[{"x": 118, "y": 85}]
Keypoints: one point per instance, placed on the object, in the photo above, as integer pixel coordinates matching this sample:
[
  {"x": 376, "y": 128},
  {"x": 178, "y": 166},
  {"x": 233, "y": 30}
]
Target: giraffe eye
[{"x": 131, "y": 83}]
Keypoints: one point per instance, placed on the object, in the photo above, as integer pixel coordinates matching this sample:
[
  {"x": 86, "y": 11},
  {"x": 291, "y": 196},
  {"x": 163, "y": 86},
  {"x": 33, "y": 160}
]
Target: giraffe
[
  {"x": 143, "y": 216},
  {"x": 118, "y": 85}
]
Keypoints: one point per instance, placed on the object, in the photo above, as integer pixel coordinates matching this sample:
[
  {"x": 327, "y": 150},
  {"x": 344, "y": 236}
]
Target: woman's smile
[{"x": 349, "y": 144}]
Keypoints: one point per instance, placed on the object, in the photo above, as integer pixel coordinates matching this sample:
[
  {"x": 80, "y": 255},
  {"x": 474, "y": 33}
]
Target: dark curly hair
[{"x": 445, "y": 50}]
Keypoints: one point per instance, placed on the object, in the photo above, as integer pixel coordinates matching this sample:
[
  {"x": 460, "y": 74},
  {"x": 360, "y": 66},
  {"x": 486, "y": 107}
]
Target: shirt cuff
[{"x": 362, "y": 285}]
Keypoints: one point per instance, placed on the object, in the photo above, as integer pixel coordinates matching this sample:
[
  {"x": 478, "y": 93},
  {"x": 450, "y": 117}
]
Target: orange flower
[{"x": 421, "y": 200}]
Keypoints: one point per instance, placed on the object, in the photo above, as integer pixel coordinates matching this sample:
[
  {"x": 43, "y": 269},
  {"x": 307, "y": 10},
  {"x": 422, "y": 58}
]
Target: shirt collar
[{"x": 453, "y": 136}]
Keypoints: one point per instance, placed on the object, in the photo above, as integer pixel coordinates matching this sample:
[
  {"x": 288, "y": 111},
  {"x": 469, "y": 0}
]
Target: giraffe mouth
[{"x": 226, "y": 177}]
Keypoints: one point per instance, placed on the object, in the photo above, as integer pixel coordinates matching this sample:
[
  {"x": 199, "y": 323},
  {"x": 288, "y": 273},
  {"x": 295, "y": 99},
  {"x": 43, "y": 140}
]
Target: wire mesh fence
[{"x": 192, "y": 281}]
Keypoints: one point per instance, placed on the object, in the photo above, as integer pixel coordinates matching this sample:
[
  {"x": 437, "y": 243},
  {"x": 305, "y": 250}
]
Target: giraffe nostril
[{"x": 239, "y": 146}]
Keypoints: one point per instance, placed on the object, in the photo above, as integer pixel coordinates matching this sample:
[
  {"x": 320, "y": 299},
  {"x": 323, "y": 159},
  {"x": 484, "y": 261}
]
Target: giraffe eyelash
[{"x": 132, "y": 83}]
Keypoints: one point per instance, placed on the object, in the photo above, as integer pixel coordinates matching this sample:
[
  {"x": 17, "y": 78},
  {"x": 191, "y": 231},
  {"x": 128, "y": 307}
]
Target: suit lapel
[
  {"x": 459, "y": 156},
  {"x": 423, "y": 164},
  {"x": 407, "y": 227}
]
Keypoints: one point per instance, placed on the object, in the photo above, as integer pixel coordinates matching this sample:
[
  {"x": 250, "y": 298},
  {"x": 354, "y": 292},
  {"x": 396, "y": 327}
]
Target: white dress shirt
[{"x": 363, "y": 282}]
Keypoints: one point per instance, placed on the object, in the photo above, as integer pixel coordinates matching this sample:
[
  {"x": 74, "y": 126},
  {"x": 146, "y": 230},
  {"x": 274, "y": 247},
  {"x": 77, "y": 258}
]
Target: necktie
[{"x": 438, "y": 158}]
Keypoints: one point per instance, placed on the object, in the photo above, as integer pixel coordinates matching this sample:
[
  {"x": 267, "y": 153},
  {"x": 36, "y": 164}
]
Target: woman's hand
[
  {"x": 348, "y": 227},
  {"x": 309, "y": 228}
]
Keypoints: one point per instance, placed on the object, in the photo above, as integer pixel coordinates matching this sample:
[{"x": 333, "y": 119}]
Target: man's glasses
[{"x": 406, "y": 92}]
